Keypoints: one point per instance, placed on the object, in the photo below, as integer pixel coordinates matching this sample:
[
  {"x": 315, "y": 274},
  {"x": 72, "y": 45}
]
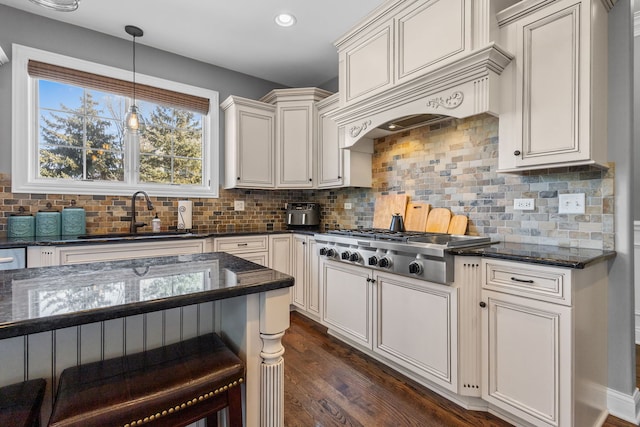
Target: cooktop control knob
[
  {"x": 373, "y": 260},
  {"x": 385, "y": 262},
  {"x": 355, "y": 257},
  {"x": 345, "y": 255},
  {"x": 323, "y": 251},
  {"x": 415, "y": 267},
  {"x": 329, "y": 253}
]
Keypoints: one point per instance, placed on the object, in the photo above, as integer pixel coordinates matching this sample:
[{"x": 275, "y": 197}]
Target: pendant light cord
[{"x": 134, "y": 70}]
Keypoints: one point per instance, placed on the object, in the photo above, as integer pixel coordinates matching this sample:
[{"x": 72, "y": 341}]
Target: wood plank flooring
[{"x": 328, "y": 383}]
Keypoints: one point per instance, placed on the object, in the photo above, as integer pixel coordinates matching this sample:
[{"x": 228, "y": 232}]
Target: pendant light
[
  {"x": 133, "y": 122},
  {"x": 58, "y": 5}
]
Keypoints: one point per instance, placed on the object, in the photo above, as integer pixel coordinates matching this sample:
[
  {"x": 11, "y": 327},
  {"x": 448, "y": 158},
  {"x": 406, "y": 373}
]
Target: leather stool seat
[
  {"x": 20, "y": 403},
  {"x": 174, "y": 385}
]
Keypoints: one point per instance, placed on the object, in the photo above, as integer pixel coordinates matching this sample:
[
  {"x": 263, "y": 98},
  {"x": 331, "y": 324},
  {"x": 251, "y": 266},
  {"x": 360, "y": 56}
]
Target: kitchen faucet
[{"x": 135, "y": 225}]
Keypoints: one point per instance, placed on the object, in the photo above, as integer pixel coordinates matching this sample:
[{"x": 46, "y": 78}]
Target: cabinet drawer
[
  {"x": 528, "y": 280},
  {"x": 241, "y": 244}
]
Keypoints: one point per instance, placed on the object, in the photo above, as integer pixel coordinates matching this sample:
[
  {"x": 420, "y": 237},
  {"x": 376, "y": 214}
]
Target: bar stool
[
  {"x": 174, "y": 385},
  {"x": 20, "y": 403}
]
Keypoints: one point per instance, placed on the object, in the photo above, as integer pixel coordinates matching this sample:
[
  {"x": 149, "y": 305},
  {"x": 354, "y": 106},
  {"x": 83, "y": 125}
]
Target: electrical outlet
[
  {"x": 571, "y": 203},
  {"x": 523, "y": 204},
  {"x": 238, "y": 205},
  {"x": 348, "y": 206}
]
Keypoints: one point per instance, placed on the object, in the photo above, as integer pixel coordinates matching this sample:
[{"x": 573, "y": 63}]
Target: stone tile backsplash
[{"x": 451, "y": 164}]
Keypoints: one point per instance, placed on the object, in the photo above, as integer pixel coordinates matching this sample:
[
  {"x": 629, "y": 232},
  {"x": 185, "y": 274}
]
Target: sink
[{"x": 145, "y": 235}]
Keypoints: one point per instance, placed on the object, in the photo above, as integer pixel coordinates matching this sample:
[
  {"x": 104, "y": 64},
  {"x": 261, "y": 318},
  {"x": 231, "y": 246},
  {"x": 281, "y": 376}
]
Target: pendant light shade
[
  {"x": 58, "y": 5},
  {"x": 133, "y": 121}
]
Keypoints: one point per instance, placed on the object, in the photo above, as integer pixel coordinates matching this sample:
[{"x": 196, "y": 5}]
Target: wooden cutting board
[
  {"x": 438, "y": 220},
  {"x": 386, "y": 206},
  {"x": 458, "y": 224},
  {"x": 416, "y": 217}
]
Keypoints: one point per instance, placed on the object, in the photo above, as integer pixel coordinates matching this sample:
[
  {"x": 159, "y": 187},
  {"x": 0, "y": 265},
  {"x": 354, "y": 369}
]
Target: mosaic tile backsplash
[{"x": 451, "y": 164}]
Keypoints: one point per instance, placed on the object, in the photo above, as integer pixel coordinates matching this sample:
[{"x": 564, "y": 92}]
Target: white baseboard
[
  {"x": 624, "y": 406},
  {"x": 637, "y": 315}
]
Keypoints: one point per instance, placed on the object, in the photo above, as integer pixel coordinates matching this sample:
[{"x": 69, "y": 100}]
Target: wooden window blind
[{"x": 166, "y": 97}]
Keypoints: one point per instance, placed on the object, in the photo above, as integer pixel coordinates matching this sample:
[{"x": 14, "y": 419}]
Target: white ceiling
[{"x": 236, "y": 34}]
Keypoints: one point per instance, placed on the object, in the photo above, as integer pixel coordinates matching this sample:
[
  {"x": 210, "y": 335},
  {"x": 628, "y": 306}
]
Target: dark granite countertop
[
  {"x": 41, "y": 299},
  {"x": 540, "y": 254},
  {"x": 91, "y": 239}
]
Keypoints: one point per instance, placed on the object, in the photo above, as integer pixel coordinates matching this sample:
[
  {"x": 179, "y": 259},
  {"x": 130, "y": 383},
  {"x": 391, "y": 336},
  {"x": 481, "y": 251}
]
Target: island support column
[{"x": 254, "y": 326}]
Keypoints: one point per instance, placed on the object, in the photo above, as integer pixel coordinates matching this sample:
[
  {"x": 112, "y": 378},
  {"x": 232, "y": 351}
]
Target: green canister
[
  {"x": 21, "y": 225},
  {"x": 48, "y": 222},
  {"x": 73, "y": 220}
]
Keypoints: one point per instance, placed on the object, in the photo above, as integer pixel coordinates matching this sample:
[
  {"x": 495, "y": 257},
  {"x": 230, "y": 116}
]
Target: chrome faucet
[{"x": 135, "y": 225}]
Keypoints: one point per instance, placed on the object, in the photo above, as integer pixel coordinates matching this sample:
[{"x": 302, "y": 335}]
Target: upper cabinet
[
  {"x": 554, "y": 110},
  {"x": 249, "y": 143},
  {"x": 296, "y": 122},
  {"x": 412, "y": 57},
  {"x": 288, "y": 140}
]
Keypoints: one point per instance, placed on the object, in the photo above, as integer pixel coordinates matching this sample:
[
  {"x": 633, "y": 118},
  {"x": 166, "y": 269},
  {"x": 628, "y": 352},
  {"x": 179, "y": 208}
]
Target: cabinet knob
[
  {"x": 238, "y": 178},
  {"x": 339, "y": 177},
  {"x": 483, "y": 304},
  {"x": 517, "y": 153},
  {"x": 310, "y": 179}
]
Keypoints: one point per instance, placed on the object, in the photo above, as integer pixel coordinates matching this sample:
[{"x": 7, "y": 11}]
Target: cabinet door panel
[
  {"x": 549, "y": 87},
  {"x": 417, "y": 327},
  {"x": 347, "y": 301},
  {"x": 298, "y": 266},
  {"x": 255, "y": 151},
  {"x": 526, "y": 343},
  {"x": 424, "y": 25},
  {"x": 295, "y": 129},
  {"x": 369, "y": 65},
  {"x": 313, "y": 271}
]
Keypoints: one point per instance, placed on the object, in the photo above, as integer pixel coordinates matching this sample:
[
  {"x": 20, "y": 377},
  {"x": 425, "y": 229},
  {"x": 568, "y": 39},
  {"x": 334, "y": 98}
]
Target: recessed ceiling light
[
  {"x": 285, "y": 20},
  {"x": 59, "y": 5}
]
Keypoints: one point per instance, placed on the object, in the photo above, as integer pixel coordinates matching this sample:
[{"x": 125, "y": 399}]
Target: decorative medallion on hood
[{"x": 419, "y": 58}]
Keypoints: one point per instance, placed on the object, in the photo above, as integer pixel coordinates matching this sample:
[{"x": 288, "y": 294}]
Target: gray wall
[
  {"x": 621, "y": 275},
  {"x": 41, "y": 33},
  {"x": 636, "y": 116}
]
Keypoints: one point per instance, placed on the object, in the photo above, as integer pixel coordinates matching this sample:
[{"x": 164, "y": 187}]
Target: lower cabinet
[
  {"x": 410, "y": 323},
  {"x": 305, "y": 263},
  {"x": 254, "y": 248},
  {"x": 280, "y": 253},
  {"x": 348, "y": 298},
  {"x": 544, "y": 344},
  {"x": 416, "y": 326},
  {"x": 43, "y": 256}
]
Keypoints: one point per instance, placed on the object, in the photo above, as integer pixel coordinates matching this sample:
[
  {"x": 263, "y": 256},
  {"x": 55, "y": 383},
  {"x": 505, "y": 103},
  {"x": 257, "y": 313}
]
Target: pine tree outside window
[{"x": 77, "y": 144}]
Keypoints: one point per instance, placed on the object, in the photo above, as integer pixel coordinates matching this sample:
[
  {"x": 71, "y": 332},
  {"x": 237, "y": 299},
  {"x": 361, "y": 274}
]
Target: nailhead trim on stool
[{"x": 170, "y": 386}]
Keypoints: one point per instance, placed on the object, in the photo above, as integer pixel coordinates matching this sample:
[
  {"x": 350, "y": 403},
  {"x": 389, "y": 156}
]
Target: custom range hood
[{"x": 413, "y": 63}]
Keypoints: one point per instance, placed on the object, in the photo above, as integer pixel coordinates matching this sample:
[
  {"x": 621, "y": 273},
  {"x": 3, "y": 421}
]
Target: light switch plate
[
  {"x": 571, "y": 203},
  {"x": 348, "y": 206},
  {"x": 238, "y": 205}
]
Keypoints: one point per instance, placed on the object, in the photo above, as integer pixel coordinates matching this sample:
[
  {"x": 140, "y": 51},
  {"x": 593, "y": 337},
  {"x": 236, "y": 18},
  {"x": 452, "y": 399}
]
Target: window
[{"x": 68, "y": 134}]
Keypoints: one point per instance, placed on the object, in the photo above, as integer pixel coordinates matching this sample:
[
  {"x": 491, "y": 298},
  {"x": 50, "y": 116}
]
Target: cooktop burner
[{"x": 383, "y": 234}]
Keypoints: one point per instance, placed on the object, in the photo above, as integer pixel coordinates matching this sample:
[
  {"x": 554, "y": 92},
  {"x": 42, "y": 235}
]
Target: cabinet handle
[
  {"x": 368, "y": 280},
  {"x": 483, "y": 304},
  {"x": 515, "y": 279},
  {"x": 517, "y": 153},
  {"x": 242, "y": 244}
]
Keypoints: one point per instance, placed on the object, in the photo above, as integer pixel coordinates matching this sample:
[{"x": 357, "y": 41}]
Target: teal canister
[
  {"x": 73, "y": 220},
  {"x": 48, "y": 222},
  {"x": 21, "y": 225}
]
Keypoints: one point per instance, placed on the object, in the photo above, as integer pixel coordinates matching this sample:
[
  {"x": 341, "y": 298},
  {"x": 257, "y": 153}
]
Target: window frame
[{"x": 25, "y": 157}]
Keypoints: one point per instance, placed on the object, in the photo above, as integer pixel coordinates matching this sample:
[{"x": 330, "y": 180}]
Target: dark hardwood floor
[{"x": 327, "y": 383}]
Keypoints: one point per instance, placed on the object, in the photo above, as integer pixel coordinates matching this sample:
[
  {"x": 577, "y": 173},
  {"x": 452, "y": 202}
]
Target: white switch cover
[
  {"x": 238, "y": 205},
  {"x": 348, "y": 206},
  {"x": 571, "y": 203}
]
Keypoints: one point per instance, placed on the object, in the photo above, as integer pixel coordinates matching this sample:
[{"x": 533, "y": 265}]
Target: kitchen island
[{"x": 55, "y": 317}]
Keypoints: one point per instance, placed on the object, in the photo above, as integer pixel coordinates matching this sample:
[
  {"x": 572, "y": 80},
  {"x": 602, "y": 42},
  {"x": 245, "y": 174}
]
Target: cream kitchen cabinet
[
  {"x": 348, "y": 297},
  {"x": 416, "y": 327},
  {"x": 280, "y": 252},
  {"x": 337, "y": 167},
  {"x": 43, "y": 256},
  {"x": 305, "y": 264},
  {"x": 544, "y": 345},
  {"x": 250, "y": 131},
  {"x": 254, "y": 248},
  {"x": 552, "y": 109},
  {"x": 296, "y": 123}
]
